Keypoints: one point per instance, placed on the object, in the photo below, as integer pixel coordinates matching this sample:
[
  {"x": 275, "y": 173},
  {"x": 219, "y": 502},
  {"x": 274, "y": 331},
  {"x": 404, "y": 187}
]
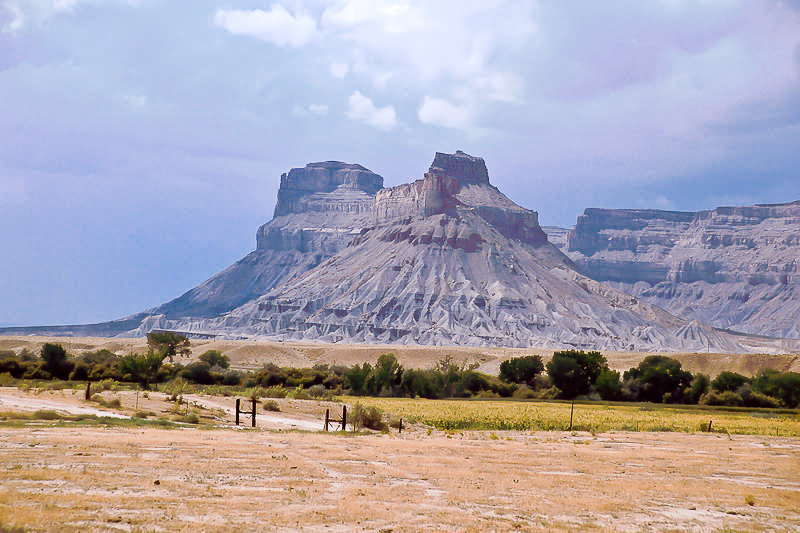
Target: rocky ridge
[
  {"x": 731, "y": 267},
  {"x": 447, "y": 259}
]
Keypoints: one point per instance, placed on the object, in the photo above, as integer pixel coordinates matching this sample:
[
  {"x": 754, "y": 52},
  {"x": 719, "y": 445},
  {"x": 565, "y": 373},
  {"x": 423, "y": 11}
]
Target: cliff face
[
  {"x": 447, "y": 259},
  {"x": 731, "y": 267},
  {"x": 320, "y": 209}
]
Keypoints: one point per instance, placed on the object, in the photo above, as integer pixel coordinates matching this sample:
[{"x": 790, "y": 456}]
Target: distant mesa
[{"x": 449, "y": 260}]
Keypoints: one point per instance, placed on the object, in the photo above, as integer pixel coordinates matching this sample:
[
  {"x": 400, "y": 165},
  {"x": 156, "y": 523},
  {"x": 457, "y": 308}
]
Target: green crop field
[{"x": 595, "y": 417}]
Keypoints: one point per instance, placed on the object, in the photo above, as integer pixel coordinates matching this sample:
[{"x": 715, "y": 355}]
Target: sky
[{"x": 142, "y": 141}]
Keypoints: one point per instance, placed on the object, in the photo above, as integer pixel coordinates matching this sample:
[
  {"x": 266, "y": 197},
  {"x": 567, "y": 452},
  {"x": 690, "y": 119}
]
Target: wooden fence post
[
  {"x": 709, "y": 426},
  {"x": 327, "y": 418},
  {"x": 254, "y": 412},
  {"x": 88, "y": 395},
  {"x": 400, "y": 428},
  {"x": 344, "y": 418},
  {"x": 238, "y": 402},
  {"x": 572, "y": 410}
]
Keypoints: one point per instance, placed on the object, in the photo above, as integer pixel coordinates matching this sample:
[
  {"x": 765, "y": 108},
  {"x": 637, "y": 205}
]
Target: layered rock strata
[
  {"x": 731, "y": 267},
  {"x": 448, "y": 259}
]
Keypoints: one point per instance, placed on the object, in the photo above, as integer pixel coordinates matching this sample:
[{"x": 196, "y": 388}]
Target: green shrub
[
  {"x": 55, "y": 361},
  {"x": 272, "y": 405},
  {"x": 727, "y": 398},
  {"x": 785, "y": 386},
  {"x": 319, "y": 392},
  {"x": 521, "y": 369},
  {"x": 728, "y": 381},
  {"x": 575, "y": 371},
  {"x": 215, "y": 358},
  {"x": 658, "y": 375},
  {"x": 608, "y": 385}
]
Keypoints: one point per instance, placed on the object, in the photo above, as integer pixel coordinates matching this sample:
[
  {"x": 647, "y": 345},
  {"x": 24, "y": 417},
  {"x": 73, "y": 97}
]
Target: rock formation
[
  {"x": 448, "y": 259},
  {"x": 731, "y": 267}
]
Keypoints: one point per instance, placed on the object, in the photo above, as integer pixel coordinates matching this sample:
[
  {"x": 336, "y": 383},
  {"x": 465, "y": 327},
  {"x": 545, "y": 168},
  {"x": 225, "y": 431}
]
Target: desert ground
[
  {"x": 286, "y": 475},
  {"x": 253, "y": 354}
]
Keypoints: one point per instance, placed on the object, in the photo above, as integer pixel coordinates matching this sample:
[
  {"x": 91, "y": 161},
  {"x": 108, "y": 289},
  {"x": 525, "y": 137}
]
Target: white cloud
[
  {"x": 318, "y": 109},
  {"x": 276, "y": 26},
  {"x": 440, "y": 112},
  {"x": 339, "y": 70},
  {"x": 361, "y": 108},
  {"x": 36, "y": 11}
]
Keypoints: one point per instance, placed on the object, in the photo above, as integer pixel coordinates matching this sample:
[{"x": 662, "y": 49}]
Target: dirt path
[{"x": 15, "y": 400}]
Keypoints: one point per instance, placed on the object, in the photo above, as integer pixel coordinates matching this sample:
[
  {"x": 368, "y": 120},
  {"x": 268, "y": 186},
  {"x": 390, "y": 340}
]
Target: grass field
[{"x": 595, "y": 417}]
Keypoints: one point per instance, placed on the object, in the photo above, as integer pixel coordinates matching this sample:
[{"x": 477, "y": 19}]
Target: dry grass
[
  {"x": 594, "y": 417},
  {"x": 77, "y": 479}
]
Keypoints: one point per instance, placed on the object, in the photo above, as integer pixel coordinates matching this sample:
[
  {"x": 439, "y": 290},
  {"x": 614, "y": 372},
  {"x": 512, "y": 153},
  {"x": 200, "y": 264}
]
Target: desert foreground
[
  {"x": 63, "y": 476},
  {"x": 77, "y": 479}
]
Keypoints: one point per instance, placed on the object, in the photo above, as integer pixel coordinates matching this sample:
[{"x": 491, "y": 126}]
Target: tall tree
[{"x": 170, "y": 343}]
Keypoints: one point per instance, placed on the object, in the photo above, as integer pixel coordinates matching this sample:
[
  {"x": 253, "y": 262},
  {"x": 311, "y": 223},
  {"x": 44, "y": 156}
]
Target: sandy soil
[
  {"x": 254, "y": 354},
  {"x": 80, "y": 478},
  {"x": 220, "y": 411}
]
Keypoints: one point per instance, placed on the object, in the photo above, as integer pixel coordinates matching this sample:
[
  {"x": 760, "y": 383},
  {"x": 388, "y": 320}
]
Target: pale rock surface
[
  {"x": 445, "y": 260},
  {"x": 450, "y": 260},
  {"x": 731, "y": 267}
]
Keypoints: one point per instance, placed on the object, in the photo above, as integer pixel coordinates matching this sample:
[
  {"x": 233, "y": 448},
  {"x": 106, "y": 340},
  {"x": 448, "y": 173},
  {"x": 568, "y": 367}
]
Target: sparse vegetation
[{"x": 570, "y": 374}]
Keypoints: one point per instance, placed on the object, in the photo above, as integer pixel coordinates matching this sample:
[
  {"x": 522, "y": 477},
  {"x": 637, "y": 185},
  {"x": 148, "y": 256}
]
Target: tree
[
  {"x": 142, "y": 368},
  {"x": 728, "y": 381},
  {"x": 784, "y": 386},
  {"x": 55, "y": 361},
  {"x": 355, "y": 379},
  {"x": 215, "y": 358},
  {"x": 172, "y": 343},
  {"x": 385, "y": 377},
  {"x": 661, "y": 379},
  {"x": 521, "y": 369},
  {"x": 700, "y": 386},
  {"x": 608, "y": 385},
  {"x": 574, "y": 372}
]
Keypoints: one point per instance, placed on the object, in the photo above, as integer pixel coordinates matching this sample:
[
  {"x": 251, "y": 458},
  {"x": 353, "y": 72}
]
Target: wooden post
[
  {"x": 572, "y": 410},
  {"x": 344, "y": 418},
  {"x": 88, "y": 395},
  {"x": 709, "y": 426},
  {"x": 254, "y": 412},
  {"x": 400, "y": 427},
  {"x": 238, "y": 401},
  {"x": 327, "y": 417},
  {"x": 137, "y": 396}
]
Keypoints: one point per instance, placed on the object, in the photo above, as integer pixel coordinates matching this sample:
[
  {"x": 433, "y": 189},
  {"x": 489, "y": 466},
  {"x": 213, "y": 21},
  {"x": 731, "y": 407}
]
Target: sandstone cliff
[
  {"x": 731, "y": 267},
  {"x": 447, "y": 259}
]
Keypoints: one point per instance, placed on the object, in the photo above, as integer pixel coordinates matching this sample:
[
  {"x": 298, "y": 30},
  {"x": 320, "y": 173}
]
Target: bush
[
  {"x": 200, "y": 373},
  {"x": 215, "y": 358},
  {"x": 574, "y": 372},
  {"x": 728, "y": 381},
  {"x": 608, "y": 385},
  {"x": 272, "y": 405},
  {"x": 367, "y": 417},
  {"x": 783, "y": 386},
  {"x": 319, "y": 392},
  {"x": 521, "y": 369},
  {"x": 658, "y": 375},
  {"x": 55, "y": 361},
  {"x": 231, "y": 379},
  {"x": 727, "y": 398}
]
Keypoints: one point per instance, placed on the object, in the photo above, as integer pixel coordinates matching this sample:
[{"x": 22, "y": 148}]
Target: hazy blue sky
[{"x": 141, "y": 141}]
